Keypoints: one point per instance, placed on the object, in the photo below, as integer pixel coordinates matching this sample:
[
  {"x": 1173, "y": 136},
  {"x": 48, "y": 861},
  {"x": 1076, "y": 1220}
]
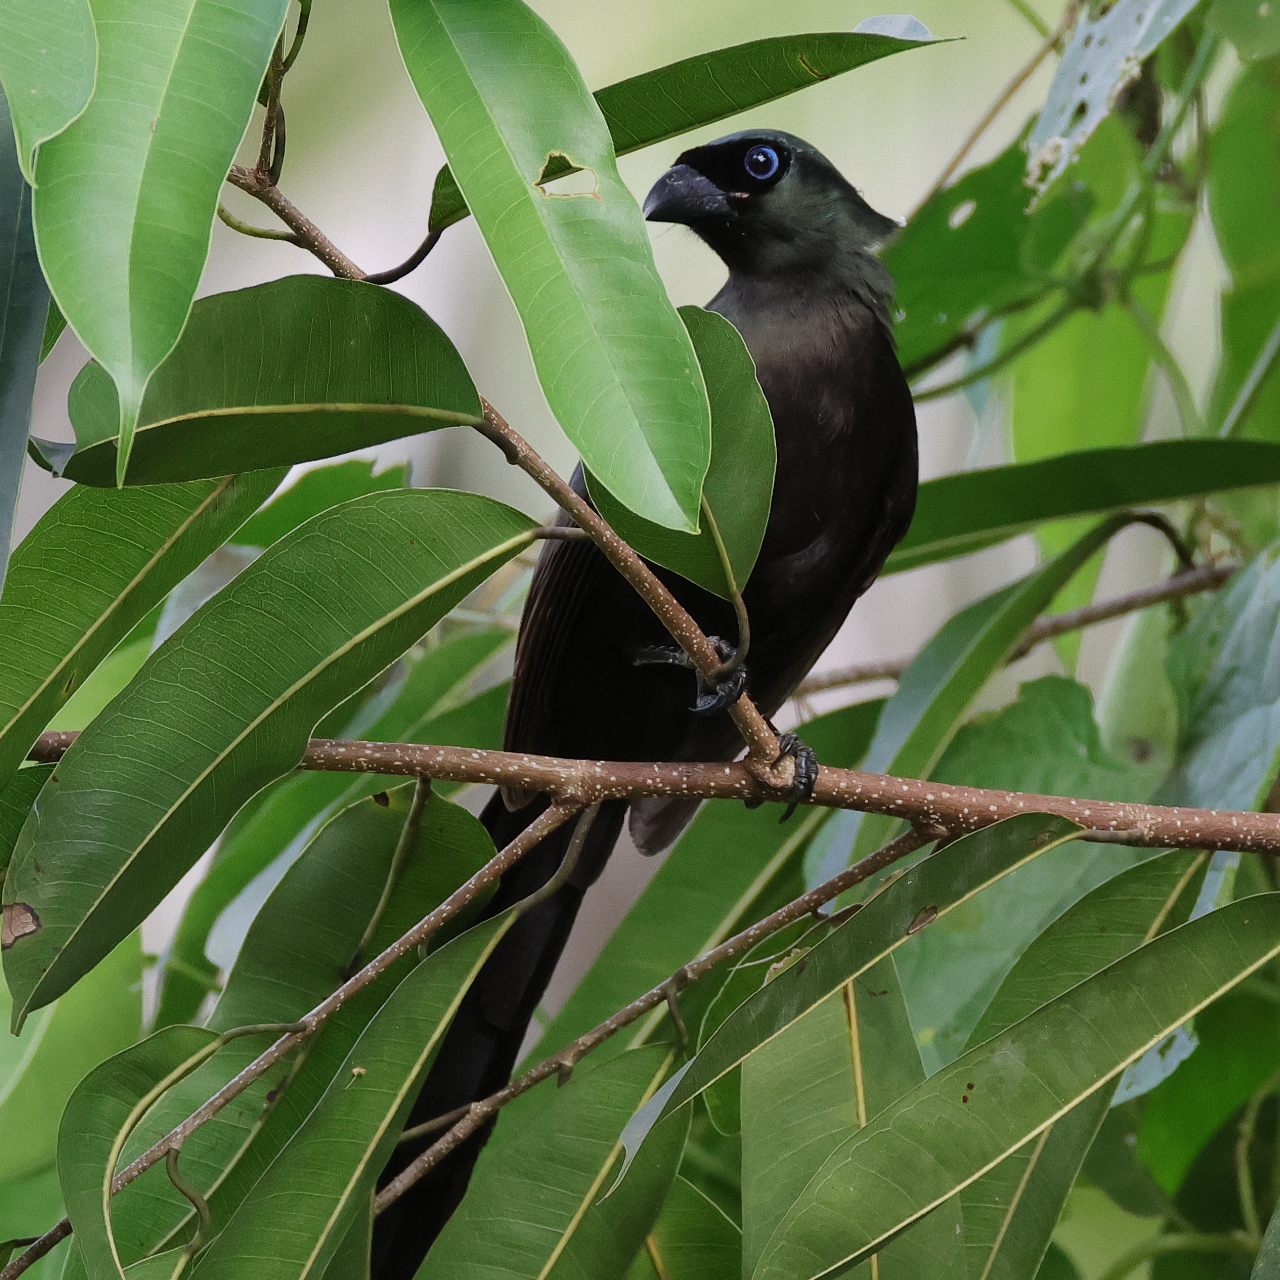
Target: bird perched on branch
[{"x": 811, "y": 300}]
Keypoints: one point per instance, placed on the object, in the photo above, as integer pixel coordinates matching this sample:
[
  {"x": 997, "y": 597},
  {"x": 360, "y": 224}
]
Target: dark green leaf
[
  {"x": 165, "y": 767},
  {"x": 975, "y": 509},
  {"x": 92, "y": 568},
  {"x": 685, "y": 95},
  {"x": 297, "y": 369},
  {"x": 693, "y": 1240},
  {"x": 615, "y": 363},
  {"x": 126, "y": 195},
  {"x": 15, "y": 803},
  {"x": 1016, "y": 1086},
  {"x": 739, "y": 484}
]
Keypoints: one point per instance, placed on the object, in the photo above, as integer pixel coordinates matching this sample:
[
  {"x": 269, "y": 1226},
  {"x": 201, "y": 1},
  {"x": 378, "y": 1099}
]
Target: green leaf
[
  {"x": 99, "y": 1016},
  {"x": 1097, "y": 63},
  {"x": 693, "y": 1239},
  {"x": 279, "y": 373},
  {"x": 99, "y": 1117},
  {"x": 708, "y": 87},
  {"x": 91, "y": 569},
  {"x": 1254, "y": 29},
  {"x": 314, "y": 492},
  {"x": 1228, "y": 691},
  {"x": 142, "y": 168},
  {"x": 973, "y": 251},
  {"x": 1267, "y": 1267},
  {"x": 965, "y": 512},
  {"x": 15, "y": 803},
  {"x": 534, "y": 1207},
  {"x": 615, "y": 363},
  {"x": 48, "y": 57},
  {"x": 288, "y": 1226},
  {"x": 28, "y": 1208},
  {"x": 739, "y": 485},
  {"x": 1016, "y": 1086},
  {"x": 709, "y": 886},
  {"x": 288, "y": 812},
  {"x": 1243, "y": 178},
  {"x": 166, "y": 765},
  {"x": 923, "y": 894},
  {"x": 22, "y": 321}
]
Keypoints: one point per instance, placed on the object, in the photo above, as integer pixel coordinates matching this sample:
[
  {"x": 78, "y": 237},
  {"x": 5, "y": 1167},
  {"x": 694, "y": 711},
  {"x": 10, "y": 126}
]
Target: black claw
[
  {"x": 806, "y": 776},
  {"x": 711, "y": 697}
]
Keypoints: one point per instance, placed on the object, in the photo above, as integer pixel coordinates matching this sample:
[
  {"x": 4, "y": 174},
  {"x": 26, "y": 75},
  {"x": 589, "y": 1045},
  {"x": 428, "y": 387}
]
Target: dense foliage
[{"x": 1082, "y": 1024}]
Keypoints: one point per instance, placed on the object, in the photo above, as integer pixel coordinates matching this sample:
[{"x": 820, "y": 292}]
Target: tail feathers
[{"x": 480, "y": 1047}]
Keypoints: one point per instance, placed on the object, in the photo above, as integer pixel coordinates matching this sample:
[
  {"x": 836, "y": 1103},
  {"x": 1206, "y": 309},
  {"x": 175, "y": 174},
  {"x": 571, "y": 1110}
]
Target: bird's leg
[
  {"x": 729, "y": 684},
  {"x": 805, "y": 777}
]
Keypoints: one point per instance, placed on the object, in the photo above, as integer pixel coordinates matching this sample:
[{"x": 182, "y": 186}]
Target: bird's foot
[
  {"x": 713, "y": 695},
  {"x": 803, "y": 780}
]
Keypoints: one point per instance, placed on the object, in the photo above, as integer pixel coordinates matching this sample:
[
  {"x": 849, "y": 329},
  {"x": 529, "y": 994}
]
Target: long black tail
[{"x": 480, "y": 1047}]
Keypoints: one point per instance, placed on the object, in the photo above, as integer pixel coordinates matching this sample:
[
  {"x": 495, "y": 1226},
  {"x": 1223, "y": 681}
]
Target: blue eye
[{"x": 761, "y": 163}]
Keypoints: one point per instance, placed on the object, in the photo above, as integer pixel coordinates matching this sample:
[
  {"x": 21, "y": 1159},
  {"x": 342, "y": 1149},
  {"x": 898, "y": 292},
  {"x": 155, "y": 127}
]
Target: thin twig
[
  {"x": 258, "y": 233},
  {"x": 479, "y": 1112},
  {"x": 1053, "y": 39},
  {"x": 1205, "y": 578}
]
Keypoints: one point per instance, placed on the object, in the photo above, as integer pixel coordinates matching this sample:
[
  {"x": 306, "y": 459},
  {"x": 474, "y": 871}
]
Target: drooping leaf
[
  {"x": 1106, "y": 52},
  {"x": 288, "y": 1226},
  {"x": 163, "y": 769},
  {"x": 1006, "y": 1092},
  {"x": 534, "y": 1208},
  {"x": 126, "y": 195},
  {"x": 279, "y": 373},
  {"x": 48, "y": 58},
  {"x": 100, "y": 1016},
  {"x": 616, "y": 365},
  {"x": 91, "y": 569},
  {"x": 965, "y": 512},
  {"x": 22, "y": 318},
  {"x": 739, "y": 484},
  {"x": 685, "y": 95}
]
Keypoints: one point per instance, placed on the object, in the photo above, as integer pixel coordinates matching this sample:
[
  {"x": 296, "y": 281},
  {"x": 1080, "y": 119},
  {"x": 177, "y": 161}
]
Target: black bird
[{"x": 811, "y": 299}]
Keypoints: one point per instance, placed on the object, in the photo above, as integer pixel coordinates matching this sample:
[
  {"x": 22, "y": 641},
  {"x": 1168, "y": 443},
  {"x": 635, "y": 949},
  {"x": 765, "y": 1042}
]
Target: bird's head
[{"x": 766, "y": 201}]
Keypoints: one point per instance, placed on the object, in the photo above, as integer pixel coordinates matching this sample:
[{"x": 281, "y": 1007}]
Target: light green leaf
[
  {"x": 1006, "y": 1092},
  {"x": 739, "y": 485},
  {"x": 279, "y": 373},
  {"x": 288, "y": 1226},
  {"x": 1253, "y": 28},
  {"x": 126, "y": 195},
  {"x": 48, "y": 57},
  {"x": 99, "y": 1016},
  {"x": 91, "y": 569},
  {"x": 28, "y": 1208},
  {"x": 615, "y": 363},
  {"x": 685, "y": 95},
  {"x": 153, "y": 780}
]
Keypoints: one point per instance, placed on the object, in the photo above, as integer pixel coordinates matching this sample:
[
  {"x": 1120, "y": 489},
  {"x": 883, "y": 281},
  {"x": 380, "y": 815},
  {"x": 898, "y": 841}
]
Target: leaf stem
[
  {"x": 1244, "y": 1174},
  {"x": 258, "y": 233},
  {"x": 1184, "y": 400},
  {"x": 1189, "y": 1242}
]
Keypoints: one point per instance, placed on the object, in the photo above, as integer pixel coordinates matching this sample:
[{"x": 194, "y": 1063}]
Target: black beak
[{"x": 682, "y": 194}]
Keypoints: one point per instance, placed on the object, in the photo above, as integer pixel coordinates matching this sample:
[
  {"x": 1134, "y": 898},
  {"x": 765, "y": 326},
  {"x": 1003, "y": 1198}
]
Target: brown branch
[
  {"x": 560, "y": 811},
  {"x": 259, "y": 185},
  {"x": 1206, "y": 578},
  {"x": 564, "y": 1061},
  {"x": 755, "y": 729},
  {"x": 956, "y": 810}
]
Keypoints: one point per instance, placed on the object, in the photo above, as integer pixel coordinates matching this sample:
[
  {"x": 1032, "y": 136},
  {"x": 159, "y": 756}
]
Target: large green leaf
[
  {"x": 685, "y": 95},
  {"x": 283, "y": 816},
  {"x": 1006, "y": 1092},
  {"x": 739, "y": 485},
  {"x": 288, "y": 1226},
  {"x": 709, "y": 886},
  {"x": 922, "y": 894},
  {"x": 48, "y": 57},
  {"x": 616, "y": 365},
  {"x": 22, "y": 323},
  {"x": 99, "y": 1016},
  {"x": 15, "y": 803},
  {"x": 150, "y": 783},
  {"x": 126, "y": 195},
  {"x": 961, "y": 513},
  {"x": 90, "y": 570},
  {"x": 99, "y": 1117},
  {"x": 297, "y": 369},
  {"x": 534, "y": 1208},
  {"x": 691, "y": 1240}
]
